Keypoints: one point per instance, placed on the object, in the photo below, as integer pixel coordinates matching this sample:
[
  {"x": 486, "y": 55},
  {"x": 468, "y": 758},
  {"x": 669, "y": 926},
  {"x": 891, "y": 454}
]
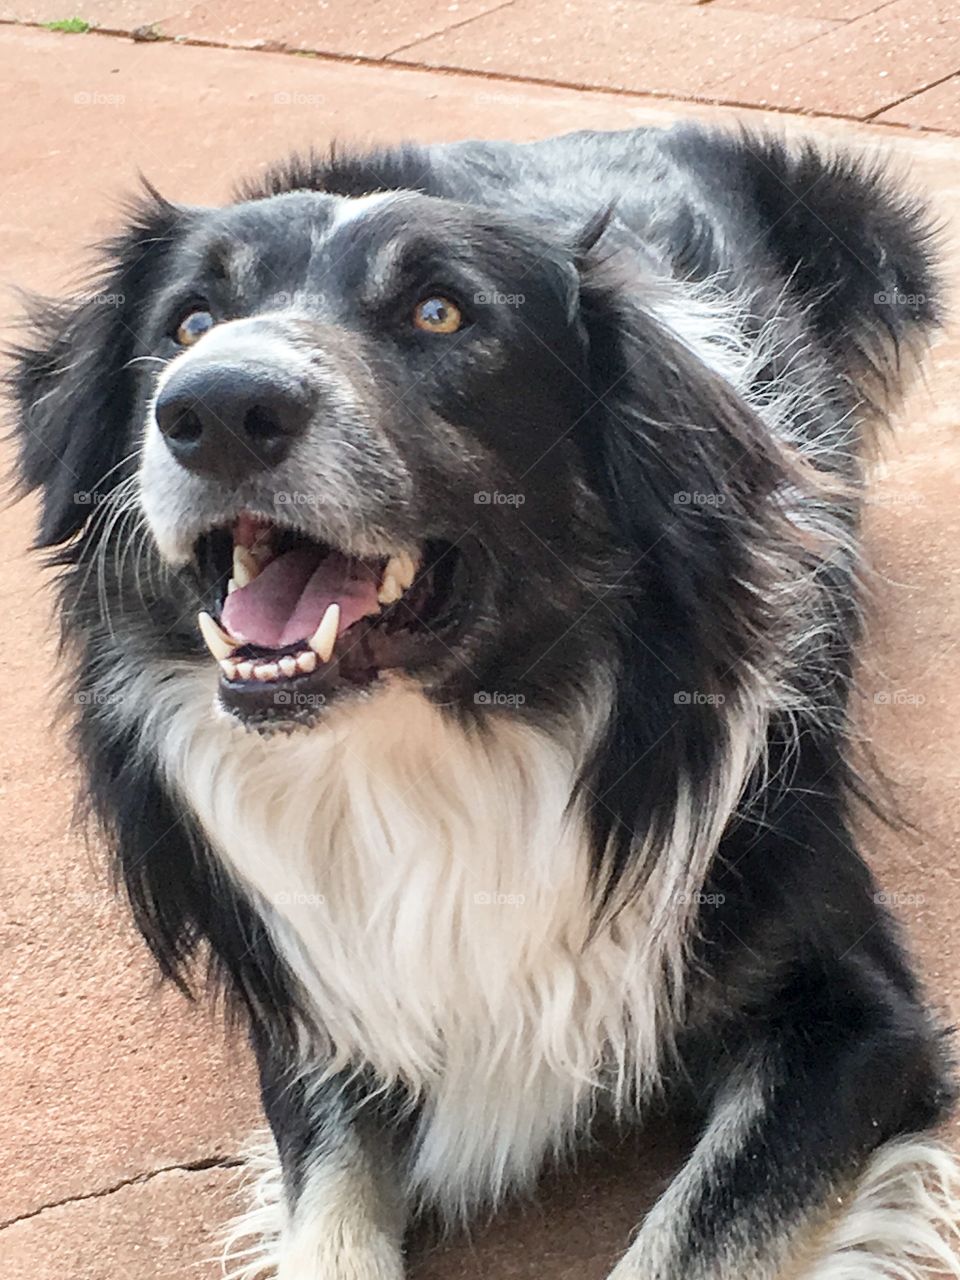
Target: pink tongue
[{"x": 287, "y": 600}]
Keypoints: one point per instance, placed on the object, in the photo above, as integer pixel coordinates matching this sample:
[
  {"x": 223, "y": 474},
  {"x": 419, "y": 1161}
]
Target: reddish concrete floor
[
  {"x": 859, "y": 58},
  {"x": 122, "y": 1109}
]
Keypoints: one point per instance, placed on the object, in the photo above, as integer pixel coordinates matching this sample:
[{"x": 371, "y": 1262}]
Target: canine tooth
[
  {"x": 325, "y": 637},
  {"x": 390, "y": 589},
  {"x": 220, "y": 644},
  {"x": 307, "y": 661},
  {"x": 266, "y": 671},
  {"x": 245, "y": 566},
  {"x": 229, "y": 668},
  {"x": 231, "y": 587},
  {"x": 244, "y": 670},
  {"x": 288, "y": 665},
  {"x": 403, "y": 568},
  {"x": 408, "y": 570}
]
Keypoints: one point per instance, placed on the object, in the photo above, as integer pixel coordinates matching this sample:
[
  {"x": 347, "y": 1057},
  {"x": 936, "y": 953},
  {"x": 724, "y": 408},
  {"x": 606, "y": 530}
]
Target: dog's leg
[
  {"x": 795, "y": 1129},
  {"x": 345, "y": 1221},
  {"x": 331, "y": 1208}
]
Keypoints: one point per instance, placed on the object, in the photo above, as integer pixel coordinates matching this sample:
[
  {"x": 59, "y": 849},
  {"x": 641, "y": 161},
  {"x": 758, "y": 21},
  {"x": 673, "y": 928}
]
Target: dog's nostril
[
  {"x": 184, "y": 426},
  {"x": 261, "y": 423}
]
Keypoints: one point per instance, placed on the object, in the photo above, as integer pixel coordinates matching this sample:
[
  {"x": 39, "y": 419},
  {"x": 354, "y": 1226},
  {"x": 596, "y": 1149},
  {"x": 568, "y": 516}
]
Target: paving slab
[
  {"x": 101, "y": 1080},
  {"x": 860, "y": 68},
  {"x": 620, "y": 45},
  {"x": 936, "y": 108},
  {"x": 836, "y": 57},
  {"x": 100, "y": 1077},
  {"x": 833, "y": 10},
  {"x": 165, "y": 1228},
  {"x": 370, "y": 30}
]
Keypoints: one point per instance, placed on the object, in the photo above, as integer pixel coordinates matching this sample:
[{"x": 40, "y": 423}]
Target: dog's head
[
  {"x": 352, "y": 423},
  {"x": 340, "y": 441}
]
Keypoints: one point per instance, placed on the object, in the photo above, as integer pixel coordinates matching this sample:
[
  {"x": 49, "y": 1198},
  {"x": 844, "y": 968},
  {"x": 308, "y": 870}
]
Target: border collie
[{"x": 459, "y": 569}]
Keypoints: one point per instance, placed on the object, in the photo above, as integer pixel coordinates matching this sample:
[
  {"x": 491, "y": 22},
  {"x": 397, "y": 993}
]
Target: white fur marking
[
  {"x": 903, "y": 1220},
  {"x": 431, "y": 892}
]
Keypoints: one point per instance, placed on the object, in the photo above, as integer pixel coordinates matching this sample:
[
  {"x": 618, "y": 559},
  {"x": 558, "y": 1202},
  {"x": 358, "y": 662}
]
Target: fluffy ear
[
  {"x": 73, "y": 381},
  {"x": 700, "y": 497}
]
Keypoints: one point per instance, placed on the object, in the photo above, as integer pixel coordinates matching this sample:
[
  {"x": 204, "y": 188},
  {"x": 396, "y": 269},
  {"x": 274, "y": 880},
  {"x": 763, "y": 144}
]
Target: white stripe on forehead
[{"x": 349, "y": 208}]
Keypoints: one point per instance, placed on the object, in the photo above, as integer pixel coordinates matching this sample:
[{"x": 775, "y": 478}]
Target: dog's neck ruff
[{"x": 428, "y": 884}]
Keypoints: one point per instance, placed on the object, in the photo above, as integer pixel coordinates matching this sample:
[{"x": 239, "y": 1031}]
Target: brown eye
[
  {"x": 437, "y": 315},
  {"x": 193, "y": 326}
]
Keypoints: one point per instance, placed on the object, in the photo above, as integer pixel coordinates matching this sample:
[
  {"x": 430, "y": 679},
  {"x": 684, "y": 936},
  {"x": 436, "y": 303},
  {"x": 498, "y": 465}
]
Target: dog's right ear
[{"x": 72, "y": 378}]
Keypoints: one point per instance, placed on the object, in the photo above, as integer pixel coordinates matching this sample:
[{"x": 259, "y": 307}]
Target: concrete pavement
[{"x": 123, "y": 1110}]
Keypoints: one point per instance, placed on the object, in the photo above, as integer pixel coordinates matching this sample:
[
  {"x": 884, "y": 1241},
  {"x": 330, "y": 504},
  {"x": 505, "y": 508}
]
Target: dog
[{"x": 460, "y": 573}]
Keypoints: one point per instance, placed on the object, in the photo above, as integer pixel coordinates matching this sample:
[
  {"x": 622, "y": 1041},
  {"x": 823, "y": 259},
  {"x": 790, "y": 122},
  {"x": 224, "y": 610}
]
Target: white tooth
[
  {"x": 325, "y": 637},
  {"x": 390, "y": 589},
  {"x": 231, "y": 587},
  {"x": 244, "y": 670},
  {"x": 266, "y": 671},
  {"x": 398, "y": 574},
  {"x": 307, "y": 661},
  {"x": 220, "y": 644},
  {"x": 404, "y": 569},
  {"x": 288, "y": 665},
  {"x": 229, "y": 668},
  {"x": 245, "y": 566}
]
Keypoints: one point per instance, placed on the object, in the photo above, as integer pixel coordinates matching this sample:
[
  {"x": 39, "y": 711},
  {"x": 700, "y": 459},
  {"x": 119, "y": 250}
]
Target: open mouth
[{"x": 294, "y": 620}]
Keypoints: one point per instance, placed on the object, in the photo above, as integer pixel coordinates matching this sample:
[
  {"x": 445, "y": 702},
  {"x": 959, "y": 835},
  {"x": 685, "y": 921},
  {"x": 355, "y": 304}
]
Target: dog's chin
[{"x": 299, "y": 627}]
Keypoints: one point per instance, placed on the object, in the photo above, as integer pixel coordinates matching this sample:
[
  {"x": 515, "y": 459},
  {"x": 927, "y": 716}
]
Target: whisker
[{"x": 140, "y": 359}]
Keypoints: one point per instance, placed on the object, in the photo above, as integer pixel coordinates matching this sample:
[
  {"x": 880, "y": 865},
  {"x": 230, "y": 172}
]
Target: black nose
[{"x": 226, "y": 422}]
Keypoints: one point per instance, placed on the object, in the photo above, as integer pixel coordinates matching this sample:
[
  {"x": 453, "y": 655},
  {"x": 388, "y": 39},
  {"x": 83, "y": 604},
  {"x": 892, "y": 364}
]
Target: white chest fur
[{"x": 430, "y": 892}]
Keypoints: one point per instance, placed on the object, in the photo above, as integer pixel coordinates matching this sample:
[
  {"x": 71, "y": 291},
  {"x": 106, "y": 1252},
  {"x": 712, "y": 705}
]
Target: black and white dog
[{"x": 513, "y": 490}]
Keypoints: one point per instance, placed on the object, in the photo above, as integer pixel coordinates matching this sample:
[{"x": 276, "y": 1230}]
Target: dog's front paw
[{"x": 342, "y": 1255}]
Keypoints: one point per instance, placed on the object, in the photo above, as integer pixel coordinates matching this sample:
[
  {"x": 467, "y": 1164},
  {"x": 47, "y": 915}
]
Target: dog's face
[
  {"x": 353, "y": 425},
  {"x": 315, "y": 443},
  {"x": 356, "y": 435}
]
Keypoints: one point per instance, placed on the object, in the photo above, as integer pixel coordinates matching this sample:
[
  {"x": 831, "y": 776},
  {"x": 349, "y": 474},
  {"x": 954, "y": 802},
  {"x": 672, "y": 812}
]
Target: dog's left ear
[
  {"x": 73, "y": 382},
  {"x": 698, "y": 493}
]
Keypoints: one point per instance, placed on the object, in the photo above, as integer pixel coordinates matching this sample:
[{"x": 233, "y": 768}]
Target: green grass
[{"x": 71, "y": 26}]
